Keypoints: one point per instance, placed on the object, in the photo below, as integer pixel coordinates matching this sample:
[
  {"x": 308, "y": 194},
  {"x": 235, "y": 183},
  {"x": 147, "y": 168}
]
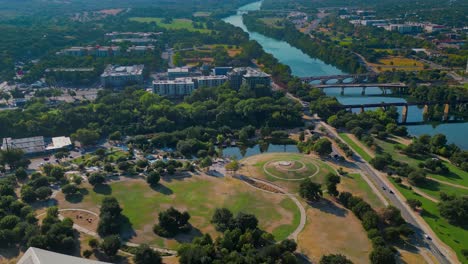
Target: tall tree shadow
[
  {"x": 329, "y": 207},
  {"x": 162, "y": 189},
  {"x": 104, "y": 189}
]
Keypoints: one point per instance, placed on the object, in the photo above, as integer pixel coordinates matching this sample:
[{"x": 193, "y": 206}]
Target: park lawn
[
  {"x": 200, "y": 196},
  {"x": 355, "y": 184},
  {"x": 355, "y": 147},
  {"x": 401, "y": 62},
  {"x": 456, "y": 175},
  {"x": 176, "y": 24},
  {"x": 453, "y": 236},
  {"x": 434, "y": 189}
]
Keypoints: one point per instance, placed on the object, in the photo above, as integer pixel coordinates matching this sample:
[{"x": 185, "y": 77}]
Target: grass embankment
[
  {"x": 453, "y": 236},
  {"x": 141, "y": 204},
  {"x": 399, "y": 63},
  {"x": 176, "y": 24},
  {"x": 355, "y": 184},
  {"x": 356, "y": 147}
]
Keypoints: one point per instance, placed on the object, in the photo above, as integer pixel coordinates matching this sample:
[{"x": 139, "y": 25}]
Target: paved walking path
[
  {"x": 448, "y": 183},
  {"x": 302, "y": 211},
  {"x": 96, "y": 235}
]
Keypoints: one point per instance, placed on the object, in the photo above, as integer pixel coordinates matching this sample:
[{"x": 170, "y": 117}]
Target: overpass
[
  {"x": 398, "y": 86},
  {"x": 405, "y": 106},
  {"x": 355, "y": 78}
]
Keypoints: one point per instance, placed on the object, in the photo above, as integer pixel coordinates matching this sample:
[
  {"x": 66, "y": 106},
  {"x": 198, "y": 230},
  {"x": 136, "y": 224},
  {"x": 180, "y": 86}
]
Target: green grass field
[
  {"x": 310, "y": 164},
  {"x": 355, "y": 184},
  {"x": 456, "y": 175},
  {"x": 355, "y": 147},
  {"x": 141, "y": 204},
  {"x": 453, "y": 236},
  {"x": 176, "y": 24}
]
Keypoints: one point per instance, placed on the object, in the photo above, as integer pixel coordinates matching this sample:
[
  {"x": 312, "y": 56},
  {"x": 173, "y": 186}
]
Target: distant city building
[
  {"x": 429, "y": 28},
  {"x": 98, "y": 51},
  {"x": 210, "y": 81},
  {"x": 41, "y": 256},
  {"x": 135, "y": 41},
  {"x": 174, "y": 88},
  {"x": 118, "y": 76},
  {"x": 114, "y": 35},
  {"x": 178, "y": 72},
  {"x": 36, "y": 145},
  {"x": 221, "y": 70},
  {"x": 248, "y": 76},
  {"x": 403, "y": 28},
  {"x": 140, "y": 49}
]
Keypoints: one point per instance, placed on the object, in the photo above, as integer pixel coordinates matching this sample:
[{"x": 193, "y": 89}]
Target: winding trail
[
  {"x": 96, "y": 235},
  {"x": 302, "y": 211}
]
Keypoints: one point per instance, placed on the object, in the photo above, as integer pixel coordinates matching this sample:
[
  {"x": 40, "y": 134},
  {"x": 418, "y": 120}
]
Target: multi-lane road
[{"x": 423, "y": 237}]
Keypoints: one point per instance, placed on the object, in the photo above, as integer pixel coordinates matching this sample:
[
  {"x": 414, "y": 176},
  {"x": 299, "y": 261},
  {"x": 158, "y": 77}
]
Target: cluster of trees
[
  {"x": 454, "y": 209},
  {"x": 384, "y": 229},
  {"x": 13, "y": 158},
  {"x": 437, "y": 144},
  {"x": 316, "y": 47},
  {"x": 379, "y": 123},
  {"x": 242, "y": 242},
  {"x": 138, "y": 112},
  {"x": 172, "y": 222},
  {"x": 321, "y": 146},
  {"x": 385, "y": 162}
]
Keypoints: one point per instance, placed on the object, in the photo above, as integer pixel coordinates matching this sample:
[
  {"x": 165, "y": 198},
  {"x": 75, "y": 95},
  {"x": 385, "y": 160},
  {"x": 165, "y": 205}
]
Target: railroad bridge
[
  {"x": 405, "y": 106},
  {"x": 355, "y": 78}
]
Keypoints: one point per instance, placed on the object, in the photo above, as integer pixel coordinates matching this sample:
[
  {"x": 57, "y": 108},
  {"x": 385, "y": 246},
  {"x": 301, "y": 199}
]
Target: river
[{"x": 302, "y": 65}]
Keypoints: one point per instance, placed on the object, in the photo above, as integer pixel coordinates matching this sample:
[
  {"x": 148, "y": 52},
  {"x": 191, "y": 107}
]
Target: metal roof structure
[{"x": 41, "y": 256}]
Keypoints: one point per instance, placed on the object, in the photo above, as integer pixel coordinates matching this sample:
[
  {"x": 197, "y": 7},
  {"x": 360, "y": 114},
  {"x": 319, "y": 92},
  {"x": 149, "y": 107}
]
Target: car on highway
[
  {"x": 391, "y": 192},
  {"x": 383, "y": 188},
  {"x": 427, "y": 237}
]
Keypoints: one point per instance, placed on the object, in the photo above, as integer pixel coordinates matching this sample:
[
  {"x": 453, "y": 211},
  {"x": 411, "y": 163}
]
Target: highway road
[
  {"x": 420, "y": 228},
  {"x": 398, "y": 202}
]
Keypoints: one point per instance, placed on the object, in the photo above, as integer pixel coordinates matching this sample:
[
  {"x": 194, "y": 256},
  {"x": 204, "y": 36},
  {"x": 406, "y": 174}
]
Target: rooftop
[
  {"x": 175, "y": 81},
  {"x": 41, "y": 256},
  {"x": 115, "y": 70},
  {"x": 28, "y": 145}
]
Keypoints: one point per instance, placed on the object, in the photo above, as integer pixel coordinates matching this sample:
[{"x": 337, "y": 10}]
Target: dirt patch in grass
[
  {"x": 83, "y": 219},
  {"x": 331, "y": 229}
]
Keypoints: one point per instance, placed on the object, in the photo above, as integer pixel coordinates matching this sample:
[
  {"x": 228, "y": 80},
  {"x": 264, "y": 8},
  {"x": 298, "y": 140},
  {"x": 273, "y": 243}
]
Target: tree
[
  {"x": 28, "y": 194},
  {"x": 454, "y": 209},
  {"x": 111, "y": 245},
  {"x": 13, "y": 158},
  {"x": 43, "y": 193},
  {"x": 96, "y": 179},
  {"x": 232, "y": 166},
  {"x": 206, "y": 162},
  {"x": 145, "y": 255},
  {"x": 331, "y": 181},
  {"x": 245, "y": 221},
  {"x": 335, "y": 259},
  {"x": 21, "y": 174},
  {"x": 310, "y": 190},
  {"x": 417, "y": 177},
  {"x": 382, "y": 255},
  {"x": 172, "y": 222},
  {"x": 153, "y": 178},
  {"x": 93, "y": 243},
  {"x": 414, "y": 203},
  {"x": 57, "y": 172},
  {"x": 222, "y": 219},
  {"x": 323, "y": 147},
  {"x": 110, "y": 217},
  {"x": 116, "y": 136},
  {"x": 86, "y": 136},
  {"x": 69, "y": 189}
]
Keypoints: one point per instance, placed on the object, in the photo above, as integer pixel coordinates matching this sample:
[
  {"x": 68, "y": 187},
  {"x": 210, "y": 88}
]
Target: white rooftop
[{"x": 41, "y": 256}]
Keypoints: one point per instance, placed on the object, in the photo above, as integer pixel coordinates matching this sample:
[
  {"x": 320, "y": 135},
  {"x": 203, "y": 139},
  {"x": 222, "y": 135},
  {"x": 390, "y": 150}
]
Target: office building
[
  {"x": 119, "y": 76},
  {"x": 174, "y": 88},
  {"x": 178, "y": 72},
  {"x": 248, "y": 76},
  {"x": 210, "y": 81},
  {"x": 221, "y": 70}
]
